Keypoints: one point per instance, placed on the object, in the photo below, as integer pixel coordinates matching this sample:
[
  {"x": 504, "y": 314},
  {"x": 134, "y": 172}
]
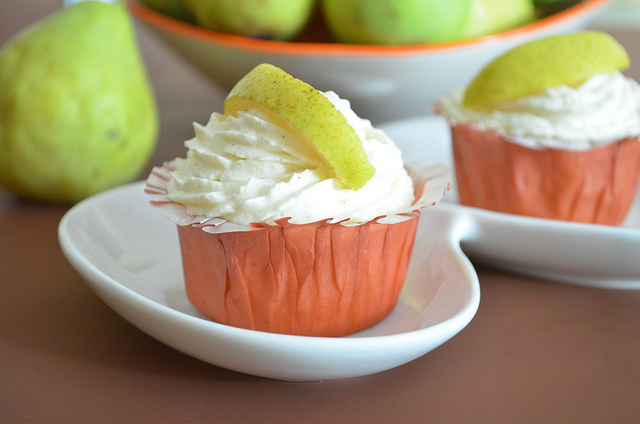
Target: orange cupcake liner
[
  {"x": 594, "y": 186},
  {"x": 318, "y": 279}
]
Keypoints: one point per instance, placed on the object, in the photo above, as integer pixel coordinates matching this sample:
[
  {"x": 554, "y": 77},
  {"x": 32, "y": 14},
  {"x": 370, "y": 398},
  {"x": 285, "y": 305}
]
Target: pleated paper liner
[
  {"x": 318, "y": 279},
  {"x": 592, "y": 186}
]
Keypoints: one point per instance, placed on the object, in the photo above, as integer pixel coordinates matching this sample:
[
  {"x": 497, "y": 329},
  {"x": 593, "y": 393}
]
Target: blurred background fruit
[
  {"x": 394, "y": 21},
  {"x": 493, "y": 16},
  {"x": 77, "y": 113},
  {"x": 266, "y": 19}
]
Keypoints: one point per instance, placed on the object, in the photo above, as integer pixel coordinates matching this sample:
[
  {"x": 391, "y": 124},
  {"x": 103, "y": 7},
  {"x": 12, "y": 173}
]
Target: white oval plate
[
  {"x": 129, "y": 255},
  {"x": 582, "y": 254}
]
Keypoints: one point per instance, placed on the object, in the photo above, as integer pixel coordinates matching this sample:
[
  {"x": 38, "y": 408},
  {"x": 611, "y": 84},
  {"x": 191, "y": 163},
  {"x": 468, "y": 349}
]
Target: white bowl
[{"x": 383, "y": 83}]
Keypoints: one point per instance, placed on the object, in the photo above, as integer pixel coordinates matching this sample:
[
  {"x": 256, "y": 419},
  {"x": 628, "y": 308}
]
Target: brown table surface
[{"x": 536, "y": 352}]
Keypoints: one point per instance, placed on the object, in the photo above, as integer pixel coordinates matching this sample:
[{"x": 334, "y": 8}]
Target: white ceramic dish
[
  {"x": 582, "y": 254},
  {"x": 129, "y": 255},
  {"x": 383, "y": 83}
]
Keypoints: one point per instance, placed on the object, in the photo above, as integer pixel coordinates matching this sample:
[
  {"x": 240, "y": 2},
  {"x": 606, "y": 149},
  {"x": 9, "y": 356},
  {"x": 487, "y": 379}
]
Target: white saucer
[
  {"x": 583, "y": 254},
  {"x": 129, "y": 255}
]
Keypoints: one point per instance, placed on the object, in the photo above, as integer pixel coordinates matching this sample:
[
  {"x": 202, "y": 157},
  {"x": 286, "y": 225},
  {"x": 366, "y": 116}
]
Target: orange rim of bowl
[{"x": 166, "y": 23}]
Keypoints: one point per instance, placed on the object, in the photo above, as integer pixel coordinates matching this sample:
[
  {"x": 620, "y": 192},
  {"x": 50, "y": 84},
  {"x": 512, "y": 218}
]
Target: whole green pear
[
  {"x": 492, "y": 16},
  {"x": 77, "y": 113},
  {"x": 395, "y": 21},
  {"x": 266, "y": 19}
]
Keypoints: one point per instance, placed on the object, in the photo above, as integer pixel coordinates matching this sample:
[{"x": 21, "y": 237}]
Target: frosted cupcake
[
  {"x": 567, "y": 152},
  {"x": 272, "y": 241}
]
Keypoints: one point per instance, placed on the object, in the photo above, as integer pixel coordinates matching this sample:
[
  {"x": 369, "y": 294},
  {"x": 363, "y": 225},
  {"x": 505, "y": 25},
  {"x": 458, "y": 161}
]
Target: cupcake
[
  {"x": 271, "y": 240},
  {"x": 566, "y": 151}
]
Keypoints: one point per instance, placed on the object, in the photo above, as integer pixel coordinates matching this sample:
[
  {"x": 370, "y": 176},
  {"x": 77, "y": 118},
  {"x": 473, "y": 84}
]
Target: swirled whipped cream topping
[
  {"x": 248, "y": 169},
  {"x": 602, "y": 110}
]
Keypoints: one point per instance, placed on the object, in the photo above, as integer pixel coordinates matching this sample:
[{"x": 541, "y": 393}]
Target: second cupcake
[{"x": 565, "y": 149}]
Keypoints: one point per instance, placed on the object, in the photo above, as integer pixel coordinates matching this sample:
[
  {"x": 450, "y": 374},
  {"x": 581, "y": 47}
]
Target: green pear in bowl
[
  {"x": 266, "y": 19},
  {"x": 77, "y": 113},
  {"x": 493, "y": 16},
  {"x": 395, "y": 21}
]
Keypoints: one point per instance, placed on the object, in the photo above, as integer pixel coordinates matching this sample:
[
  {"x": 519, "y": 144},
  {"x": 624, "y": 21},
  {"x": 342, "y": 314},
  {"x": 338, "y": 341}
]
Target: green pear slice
[
  {"x": 530, "y": 68},
  {"x": 305, "y": 111}
]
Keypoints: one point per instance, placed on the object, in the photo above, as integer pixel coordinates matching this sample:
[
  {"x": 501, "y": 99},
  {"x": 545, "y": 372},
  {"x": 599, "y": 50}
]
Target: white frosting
[
  {"x": 602, "y": 110},
  {"x": 247, "y": 169}
]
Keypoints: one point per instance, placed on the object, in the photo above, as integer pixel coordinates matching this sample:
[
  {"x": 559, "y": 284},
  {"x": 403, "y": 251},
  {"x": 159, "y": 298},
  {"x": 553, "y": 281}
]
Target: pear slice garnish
[
  {"x": 529, "y": 69},
  {"x": 306, "y": 112}
]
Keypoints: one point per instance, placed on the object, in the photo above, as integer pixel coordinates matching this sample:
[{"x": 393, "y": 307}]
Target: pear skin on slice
[
  {"x": 529, "y": 69},
  {"x": 306, "y": 112}
]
